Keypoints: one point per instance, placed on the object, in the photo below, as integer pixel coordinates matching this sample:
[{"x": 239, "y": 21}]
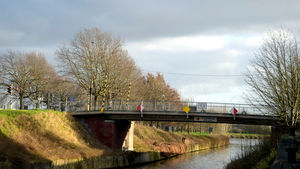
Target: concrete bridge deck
[{"x": 183, "y": 117}]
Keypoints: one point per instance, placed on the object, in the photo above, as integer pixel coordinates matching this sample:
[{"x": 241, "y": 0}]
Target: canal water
[{"x": 216, "y": 158}]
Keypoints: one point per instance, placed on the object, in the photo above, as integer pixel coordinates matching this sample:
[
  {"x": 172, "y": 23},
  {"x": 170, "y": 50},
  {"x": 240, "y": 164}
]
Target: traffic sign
[
  {"x": 202, "y": 105},
  {"x": 234, "y": 111},
  {"x": 140, "y": 108},
  {"x": 186, "y": 109}
]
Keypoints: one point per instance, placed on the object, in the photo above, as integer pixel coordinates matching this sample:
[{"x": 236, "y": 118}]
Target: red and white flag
[
  {"x": 234, "y": 111},
  {"x": 140, "y": 107}
]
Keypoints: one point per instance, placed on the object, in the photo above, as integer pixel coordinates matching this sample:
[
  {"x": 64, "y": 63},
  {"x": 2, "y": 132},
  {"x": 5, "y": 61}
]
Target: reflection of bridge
[{"x": 112, "y": 125}]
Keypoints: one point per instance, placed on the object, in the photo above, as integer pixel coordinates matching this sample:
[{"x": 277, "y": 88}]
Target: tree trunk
[{"x": 21, "y": 102}]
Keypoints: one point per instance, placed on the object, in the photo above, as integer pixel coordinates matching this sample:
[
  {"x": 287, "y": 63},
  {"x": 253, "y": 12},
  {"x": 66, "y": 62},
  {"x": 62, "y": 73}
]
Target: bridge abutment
[
  {"x": 111, "y": 133},
  {"x": 128, "y": 142}
]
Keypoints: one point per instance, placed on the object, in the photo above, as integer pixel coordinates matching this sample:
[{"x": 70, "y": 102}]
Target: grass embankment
[
  {"x": 43, "y": 135},
  {"x": 28, "y": 136},
  {"x": 150, "y": 139},
  {"x": 248, "y": 136},
  {"x": 234, "y": 135}
]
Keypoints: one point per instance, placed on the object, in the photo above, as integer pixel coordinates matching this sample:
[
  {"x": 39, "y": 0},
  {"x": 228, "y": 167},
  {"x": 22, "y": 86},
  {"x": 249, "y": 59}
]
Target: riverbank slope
[
  {"x": 45, "y": 137},
  {"x": 151, "y": 139}
]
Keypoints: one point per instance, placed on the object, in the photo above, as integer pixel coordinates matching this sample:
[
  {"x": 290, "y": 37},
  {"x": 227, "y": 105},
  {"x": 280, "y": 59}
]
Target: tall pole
[
  {"x": 11, "y": 93},
  {"x": 91, "y": 80},
  {"x": 90, "y": 100},
  {"x": 128, "y": 95},
  {"x": 104, "y": 94}
]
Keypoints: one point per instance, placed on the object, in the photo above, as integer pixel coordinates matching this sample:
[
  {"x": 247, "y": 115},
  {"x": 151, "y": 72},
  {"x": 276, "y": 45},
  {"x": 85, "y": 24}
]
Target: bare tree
[
  {"x": 98, "y": 63},
  {"x": 155, "y": 88},
  {"x": 62, "y": 91},
  {"x": 28, "y": 72},
  {"x": 274, "y": 76}
]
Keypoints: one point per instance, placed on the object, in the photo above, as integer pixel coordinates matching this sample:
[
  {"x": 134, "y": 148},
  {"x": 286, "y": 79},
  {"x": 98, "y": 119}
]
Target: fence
[{"x": 167, "y": 106}]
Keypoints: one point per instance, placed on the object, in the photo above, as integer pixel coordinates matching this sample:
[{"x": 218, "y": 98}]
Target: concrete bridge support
[
  {"x": 110, "y": 132},
  {"x": 128, "y": 142}
]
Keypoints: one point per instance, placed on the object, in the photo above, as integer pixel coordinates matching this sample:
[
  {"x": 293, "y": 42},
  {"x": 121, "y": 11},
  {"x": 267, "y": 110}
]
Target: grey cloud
[
  {"x": 43, "y": 25},
  {"x": 53, "y": 21}
]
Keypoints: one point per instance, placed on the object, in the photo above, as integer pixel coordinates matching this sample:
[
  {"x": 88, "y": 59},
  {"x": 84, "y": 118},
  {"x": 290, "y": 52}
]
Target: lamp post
[
  {"x": 91, "y": 82},
  {"x": 90, "y": 99}
]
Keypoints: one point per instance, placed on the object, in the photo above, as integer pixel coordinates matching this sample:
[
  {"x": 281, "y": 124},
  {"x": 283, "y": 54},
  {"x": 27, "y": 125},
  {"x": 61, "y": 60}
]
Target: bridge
[
  {"x": 175, "y": 111},
  {"x": 111, "y": 125}
]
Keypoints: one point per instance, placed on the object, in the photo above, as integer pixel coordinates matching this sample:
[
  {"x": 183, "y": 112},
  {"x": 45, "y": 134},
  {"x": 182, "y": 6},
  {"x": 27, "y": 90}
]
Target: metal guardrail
[{"x": 168, "y": 106}]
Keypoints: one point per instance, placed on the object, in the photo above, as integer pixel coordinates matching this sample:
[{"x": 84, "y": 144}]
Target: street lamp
[{"x": 91, "y": 83}]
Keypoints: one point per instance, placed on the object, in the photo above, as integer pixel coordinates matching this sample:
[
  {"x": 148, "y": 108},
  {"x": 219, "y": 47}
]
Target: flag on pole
[{"x": 140, "y": 107}]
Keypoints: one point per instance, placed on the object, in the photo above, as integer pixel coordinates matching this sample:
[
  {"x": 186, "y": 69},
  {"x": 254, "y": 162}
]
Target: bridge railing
[{"x": 167, "y": 106}]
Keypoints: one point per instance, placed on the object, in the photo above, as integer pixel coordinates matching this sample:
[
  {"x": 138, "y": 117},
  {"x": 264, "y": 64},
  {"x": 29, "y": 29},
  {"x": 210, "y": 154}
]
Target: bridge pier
[
  {"x": 128, "y": 142},
  {"x": 111, "y": 133}
]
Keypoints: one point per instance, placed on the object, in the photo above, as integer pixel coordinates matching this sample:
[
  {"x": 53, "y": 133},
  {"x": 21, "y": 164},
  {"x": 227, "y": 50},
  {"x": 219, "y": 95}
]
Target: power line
[{"x": 183, "y": 74}]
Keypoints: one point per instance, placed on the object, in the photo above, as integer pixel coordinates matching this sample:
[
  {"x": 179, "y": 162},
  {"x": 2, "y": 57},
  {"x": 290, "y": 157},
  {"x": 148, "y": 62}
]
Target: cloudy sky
[{"x": 202, "y": 47}]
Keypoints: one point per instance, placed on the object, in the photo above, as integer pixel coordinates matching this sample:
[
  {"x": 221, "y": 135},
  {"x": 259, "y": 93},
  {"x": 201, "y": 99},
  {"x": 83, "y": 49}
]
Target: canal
[{"x": 216, "y": 158}]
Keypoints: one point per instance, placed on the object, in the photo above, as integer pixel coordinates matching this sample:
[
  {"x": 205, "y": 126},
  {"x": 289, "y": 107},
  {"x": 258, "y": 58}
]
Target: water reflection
[{"x": 206, "y": 159}]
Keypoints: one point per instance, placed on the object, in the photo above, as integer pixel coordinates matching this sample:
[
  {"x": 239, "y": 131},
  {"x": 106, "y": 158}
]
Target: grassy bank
[
  {"x": 150, "y": 139},
  {"x": 248, "y": 136},
  {"x": 232, "y": 135},
  {"x": 44, "y": 135},
  {"x": 28, "y": 136}
]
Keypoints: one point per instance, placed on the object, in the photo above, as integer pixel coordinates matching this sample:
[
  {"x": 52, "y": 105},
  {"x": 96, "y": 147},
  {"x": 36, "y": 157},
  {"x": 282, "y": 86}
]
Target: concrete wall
[
  {"x": 103, "y": 162},
  {"x": 128, "y": 142},
  {"x": 100, "y": 162},
  {"x": 112, "y": 162}
]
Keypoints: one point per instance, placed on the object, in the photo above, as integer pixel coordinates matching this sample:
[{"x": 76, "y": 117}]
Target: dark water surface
[{"x": 216, "y": 158}]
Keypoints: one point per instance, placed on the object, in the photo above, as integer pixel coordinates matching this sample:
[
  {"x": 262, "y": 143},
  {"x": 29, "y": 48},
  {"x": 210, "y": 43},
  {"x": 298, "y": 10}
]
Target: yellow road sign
[{"x": 186, "y": 109}]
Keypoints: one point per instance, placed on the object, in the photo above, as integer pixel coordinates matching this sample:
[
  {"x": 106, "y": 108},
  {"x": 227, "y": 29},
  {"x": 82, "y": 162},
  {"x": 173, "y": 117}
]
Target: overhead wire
[{"x": 185, "y": 74}]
